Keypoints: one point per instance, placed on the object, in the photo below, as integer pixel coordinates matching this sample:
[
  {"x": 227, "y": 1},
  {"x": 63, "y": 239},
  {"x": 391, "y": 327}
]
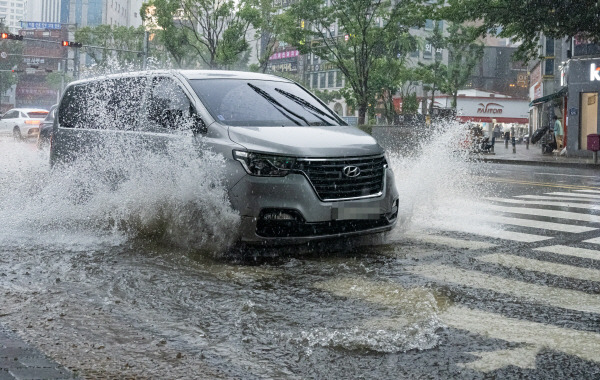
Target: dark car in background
[{"x": 46, "y": 129}]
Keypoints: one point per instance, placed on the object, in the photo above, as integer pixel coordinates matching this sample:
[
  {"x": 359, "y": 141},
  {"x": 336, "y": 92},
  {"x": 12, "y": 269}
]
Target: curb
[{"x": 542, "y": 163}]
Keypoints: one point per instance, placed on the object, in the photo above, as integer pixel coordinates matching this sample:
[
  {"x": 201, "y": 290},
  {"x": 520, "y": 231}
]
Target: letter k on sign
[{"x": 594, "y": 72}]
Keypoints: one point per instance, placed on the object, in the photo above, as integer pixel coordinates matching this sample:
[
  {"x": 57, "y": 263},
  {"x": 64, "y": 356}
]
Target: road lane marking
[
  {"x": 512, "y": 261},
  {"x": 418, "y": 304},
  {"x": 571, "y": 251},
  {"x": 538, "y": 224},
  {"x": 590, "y": 191},
  {"x": 585, "y": 206},
  {"x": 541, "y": 184},
  {"x": 582, "y": 344},
  {"x": 562, "y": 298},
  {"x": 496, "y": 234},
  {"x": 547, "y": 213},
  {"x": 577, "y": 195},
  {"x": 593, "y": 241},
  {"x": 568, "y": 175},
  {"x": 448, "y": 241},
  {"x": 546, "y": 197}
]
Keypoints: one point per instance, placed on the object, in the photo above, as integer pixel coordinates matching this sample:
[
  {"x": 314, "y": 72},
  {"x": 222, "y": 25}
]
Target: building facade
[
  {"x": 11, "y": 13},
  {"x": 566, "y": 84}
]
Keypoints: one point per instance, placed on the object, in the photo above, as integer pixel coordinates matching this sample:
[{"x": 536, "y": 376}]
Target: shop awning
[{"x": 547, "y": 98}]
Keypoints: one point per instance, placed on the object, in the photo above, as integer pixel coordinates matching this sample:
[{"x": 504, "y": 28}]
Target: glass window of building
[
  {"x": 549, "y": 47},
  {"x": 330, "y": 78},
  {"x": 315, "y": 83},
  {"x": 338, "y": 79},
  {"x": 322, "y": 83}
]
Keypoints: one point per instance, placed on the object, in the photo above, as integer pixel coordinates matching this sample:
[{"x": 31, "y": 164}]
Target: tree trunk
[{"x": 362, "y": 112}]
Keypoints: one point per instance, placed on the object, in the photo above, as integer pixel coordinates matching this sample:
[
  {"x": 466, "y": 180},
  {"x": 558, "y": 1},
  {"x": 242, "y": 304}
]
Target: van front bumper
[{"x": 286, "y": 210}]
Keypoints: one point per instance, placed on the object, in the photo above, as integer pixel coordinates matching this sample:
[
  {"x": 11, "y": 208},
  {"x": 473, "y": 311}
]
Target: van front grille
[{"x": 337, "y": 179}]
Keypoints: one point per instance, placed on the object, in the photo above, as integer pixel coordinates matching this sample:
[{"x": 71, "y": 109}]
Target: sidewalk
[
  {"x": 534, "y": 156},
  {"x": 18, "y": 360}
]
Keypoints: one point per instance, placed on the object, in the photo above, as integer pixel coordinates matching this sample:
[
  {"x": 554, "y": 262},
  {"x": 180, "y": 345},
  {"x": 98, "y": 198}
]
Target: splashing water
[
  {"x": 440, "y": 180},
  {"x": 115, "y": 193}
]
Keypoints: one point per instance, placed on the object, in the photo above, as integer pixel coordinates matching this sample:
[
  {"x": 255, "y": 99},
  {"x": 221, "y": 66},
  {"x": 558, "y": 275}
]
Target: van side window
[
  {"x": 108, "y": 104},
  {"x": 168, "y": 107}
]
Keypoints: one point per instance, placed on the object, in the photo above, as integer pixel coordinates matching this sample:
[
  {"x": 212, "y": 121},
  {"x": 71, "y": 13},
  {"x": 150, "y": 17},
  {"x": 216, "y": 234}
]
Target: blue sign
[
  {"x": 40, "y": 25},
  {"x": 573, "y": 111}
]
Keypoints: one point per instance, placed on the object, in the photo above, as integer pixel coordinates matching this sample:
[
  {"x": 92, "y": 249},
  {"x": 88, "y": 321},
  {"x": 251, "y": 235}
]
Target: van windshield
[{"x": 244, "y": 102}]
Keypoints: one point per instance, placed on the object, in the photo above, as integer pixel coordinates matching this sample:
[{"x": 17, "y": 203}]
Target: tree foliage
[
  {"x": 371, "y": 26},
  {"x": 215, "y": 31},
  {"x": 464, "y": 54},
  {"x": 13, "y": 49},
  {"x": 524, "y": 20},
  {"x": 113, "y": 42}
]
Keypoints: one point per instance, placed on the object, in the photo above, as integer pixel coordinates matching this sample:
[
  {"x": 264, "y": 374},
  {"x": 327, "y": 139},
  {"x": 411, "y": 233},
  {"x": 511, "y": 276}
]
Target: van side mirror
[{"x": 198, "y": 125}]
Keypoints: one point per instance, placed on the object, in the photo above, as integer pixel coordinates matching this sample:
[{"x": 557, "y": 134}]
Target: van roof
[{"x": 193, "y": 74}]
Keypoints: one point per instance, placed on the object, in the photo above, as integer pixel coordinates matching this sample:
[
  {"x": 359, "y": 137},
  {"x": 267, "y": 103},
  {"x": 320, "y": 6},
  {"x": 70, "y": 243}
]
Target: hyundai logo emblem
[{"x": 351, "y": 171}]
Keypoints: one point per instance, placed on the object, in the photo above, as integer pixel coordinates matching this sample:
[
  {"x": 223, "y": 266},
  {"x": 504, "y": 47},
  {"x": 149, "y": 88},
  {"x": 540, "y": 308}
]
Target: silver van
[{"x": 295, "y": 171}]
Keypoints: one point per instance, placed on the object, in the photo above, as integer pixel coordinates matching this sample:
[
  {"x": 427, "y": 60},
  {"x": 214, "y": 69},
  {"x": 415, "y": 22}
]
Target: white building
[
  {"x": 42, "y": 11},
  {"x": 11, "y": 13}
]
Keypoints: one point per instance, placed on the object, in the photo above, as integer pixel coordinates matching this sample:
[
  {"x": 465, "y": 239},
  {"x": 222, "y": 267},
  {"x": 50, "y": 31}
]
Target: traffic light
[
  {"x": 9, "y": 36},
  {"x": 72, "y": 44}
]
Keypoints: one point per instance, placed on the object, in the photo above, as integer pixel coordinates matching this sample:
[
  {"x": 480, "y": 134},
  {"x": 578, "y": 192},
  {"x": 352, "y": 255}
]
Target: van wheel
[{"x": 17, "y": 134}]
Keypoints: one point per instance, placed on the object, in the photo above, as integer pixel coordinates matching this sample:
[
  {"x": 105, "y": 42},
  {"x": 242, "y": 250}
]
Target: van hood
[{"x": 339, "y": 141}]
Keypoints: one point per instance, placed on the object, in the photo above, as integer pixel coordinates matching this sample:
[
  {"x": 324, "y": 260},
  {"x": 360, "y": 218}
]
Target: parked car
[
  {"x": 22, "y": 122},
  {"x": 45, "y": 133},
  {"x": 294, "y": 170}
]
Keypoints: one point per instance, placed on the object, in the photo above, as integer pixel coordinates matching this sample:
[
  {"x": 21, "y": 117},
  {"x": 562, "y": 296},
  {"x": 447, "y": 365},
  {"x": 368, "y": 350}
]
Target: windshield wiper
[
  {"x": 278, "y": 106},
  {"x": 307, "y": 105}
]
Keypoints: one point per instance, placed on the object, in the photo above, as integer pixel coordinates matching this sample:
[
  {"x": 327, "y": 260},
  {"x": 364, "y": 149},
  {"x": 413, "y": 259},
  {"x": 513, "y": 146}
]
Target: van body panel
[{"x": 339, "y": 141}]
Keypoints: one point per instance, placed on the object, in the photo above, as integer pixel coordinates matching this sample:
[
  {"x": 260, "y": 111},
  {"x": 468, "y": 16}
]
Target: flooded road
[{"x": 484, "y": 279}]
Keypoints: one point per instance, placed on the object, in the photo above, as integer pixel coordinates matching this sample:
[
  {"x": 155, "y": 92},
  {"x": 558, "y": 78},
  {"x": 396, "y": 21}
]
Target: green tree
[
  {"x": 112, "y": 42},
  {"x": 13, "y": 50},
  {"x": 216, "y": 31},
  {"x": 525, "y": 20},
  {"x": 368, "y": 25},
  {"x": 464, "y": 54},
  {"x": 390, "y": 72},
  {"x": 166, "y": 34}
]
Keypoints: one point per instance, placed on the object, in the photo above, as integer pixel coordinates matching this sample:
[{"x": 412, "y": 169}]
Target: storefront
[
  {"x": 489, "y": 110},
  {"x": 582, "y": 79}
]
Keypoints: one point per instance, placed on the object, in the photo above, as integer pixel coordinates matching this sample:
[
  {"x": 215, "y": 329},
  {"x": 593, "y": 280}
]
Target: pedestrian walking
[{"x": 558, "y": 132}]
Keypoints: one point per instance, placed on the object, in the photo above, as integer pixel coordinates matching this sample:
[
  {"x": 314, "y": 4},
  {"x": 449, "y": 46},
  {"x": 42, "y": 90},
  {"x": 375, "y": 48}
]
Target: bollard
[
  {"x": 527, "y": 144},
  {"x": 506, "y": 143},
  {"x": 514, "y": 144},
  {"x": 595, "y": 154}
]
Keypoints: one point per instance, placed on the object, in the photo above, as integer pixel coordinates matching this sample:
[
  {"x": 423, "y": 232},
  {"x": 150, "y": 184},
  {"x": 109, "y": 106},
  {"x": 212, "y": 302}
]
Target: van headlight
[{"x": 264, "y": 165}]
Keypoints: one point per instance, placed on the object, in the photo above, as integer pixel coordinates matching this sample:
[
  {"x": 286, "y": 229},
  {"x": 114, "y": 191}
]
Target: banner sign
[
  {"x": 284, "y": 54},
  {"x": 40, "y": 25}
]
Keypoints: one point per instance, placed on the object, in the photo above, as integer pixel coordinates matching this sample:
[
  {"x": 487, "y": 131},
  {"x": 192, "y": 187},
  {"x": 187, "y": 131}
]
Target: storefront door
[{"x": 589, "y": 117}]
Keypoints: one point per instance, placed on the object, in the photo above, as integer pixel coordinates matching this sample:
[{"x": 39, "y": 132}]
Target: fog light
[{"x": 273, "y": 215}]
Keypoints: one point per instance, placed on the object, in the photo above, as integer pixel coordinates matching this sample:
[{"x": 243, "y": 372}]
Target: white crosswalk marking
[
  {"x": 497, "y": 234},
  {"x": 447, "y": 241},
  {"x": 576, "y": 195},
  {"x": 512, "y": 261},
  {"x": 593, "y": 241},
  {"x": 583, "y": 344},
  {"x": 536, "y": 336},
  {"x": 563, "y": 298},
  {"x": 571, "y": 251},
  {"x": 549, "y": 198},
  {"x": 585, "y": 206},
  {"x": 548, "y": 213},
  {"x": 589, "y": 191},
  {"x": 538, "y": 224}
]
